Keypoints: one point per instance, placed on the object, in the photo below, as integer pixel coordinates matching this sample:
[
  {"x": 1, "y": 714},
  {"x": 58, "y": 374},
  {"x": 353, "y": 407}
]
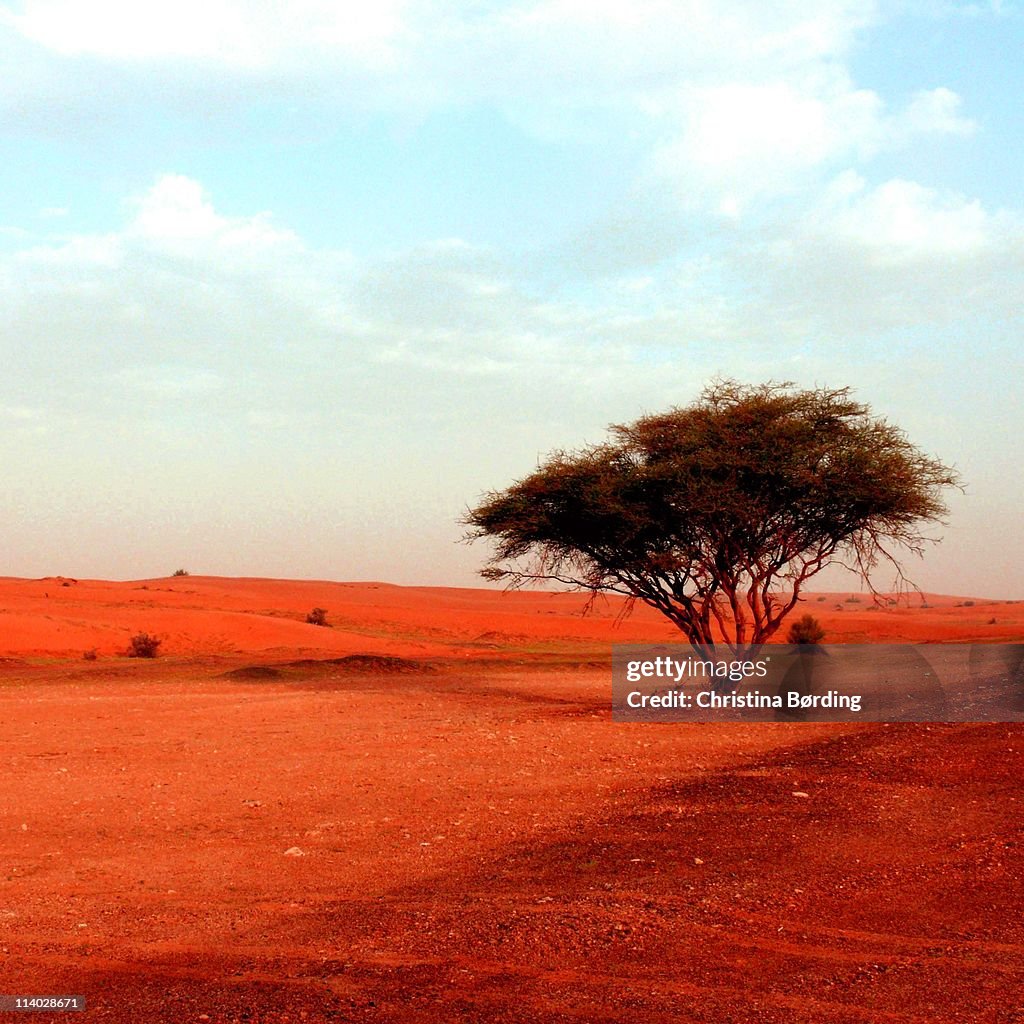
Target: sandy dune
[{"x": 60, "y": 617}]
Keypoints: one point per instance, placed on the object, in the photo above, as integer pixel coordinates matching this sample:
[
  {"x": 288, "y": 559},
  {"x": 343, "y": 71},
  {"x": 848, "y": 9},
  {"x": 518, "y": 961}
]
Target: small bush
[
  {"x": 806, "y": 630},
  {"x": 180, "y": 572},
  {"x": 318, "y": 617},
  {"x": 143, "y": 645},
  {"x": 968, "y": 604},
  {"x": 853, "y": 599},
  {"x": 820, "y": 599},
  {"x": 90, "y": 655}
]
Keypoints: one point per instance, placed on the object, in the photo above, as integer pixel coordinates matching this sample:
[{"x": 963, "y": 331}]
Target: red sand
[
  {"x": 478, "y": 842},
  {"x": 61, "y": 617}
]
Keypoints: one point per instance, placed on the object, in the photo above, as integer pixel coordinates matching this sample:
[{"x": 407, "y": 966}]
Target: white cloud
[
  {"x": 635, "y": 42},
  {"x": 900, "y": 221},
  {"x": 234, "y": 33},
  {"x": 540, "y": 60},
  {"x": 176, "y": 210},
  {"x": 174, "y": 219},
  {"x": 190, "y": 298},
  {"x": 933, "y": 111},
  {"x": 741, "y": 140},
  {"x": 960, "y": 8},
  {"x": 176, "y": 207},
  {"x": 863, "y": 269},
  {"x": 744, "y": 140},
  {"x": 725, "y": 101},
  {"x": 85, "y": 252}
]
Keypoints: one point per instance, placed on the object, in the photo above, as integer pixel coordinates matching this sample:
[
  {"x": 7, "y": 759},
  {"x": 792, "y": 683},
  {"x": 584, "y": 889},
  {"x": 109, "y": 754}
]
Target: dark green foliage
[
  {"x": 180, "y": 572},
  {"x": 717, "y": 513}
]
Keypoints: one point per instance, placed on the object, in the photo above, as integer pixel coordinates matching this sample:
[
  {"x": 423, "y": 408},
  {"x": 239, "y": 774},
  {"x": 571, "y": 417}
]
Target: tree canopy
[{"x": 717, "y": 513}]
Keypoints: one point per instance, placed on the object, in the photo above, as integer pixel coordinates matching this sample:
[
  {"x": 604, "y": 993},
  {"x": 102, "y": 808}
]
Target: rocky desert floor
[{"x": 425, "y": 813}]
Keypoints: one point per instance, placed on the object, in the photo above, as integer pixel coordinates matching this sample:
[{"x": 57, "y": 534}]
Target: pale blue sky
[{"x": 286, "y": 287}]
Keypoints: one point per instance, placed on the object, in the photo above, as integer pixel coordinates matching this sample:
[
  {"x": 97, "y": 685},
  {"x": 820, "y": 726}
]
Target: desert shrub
[
  {"x": 180, "y": 572},
  {"x": 318, "y": 617},
  {"x": 806, "y": 630},
  {"x": 968, "y": 604},
  {"x": 143, "y": 645},
  {"x": 853, "y": 599},
  {"x": 820, "y": 599},
  {"x": 90, "y": 655}
]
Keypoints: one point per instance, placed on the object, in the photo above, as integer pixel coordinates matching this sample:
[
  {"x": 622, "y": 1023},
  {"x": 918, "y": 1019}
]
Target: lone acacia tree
[{"x": 718, "y": 513}]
